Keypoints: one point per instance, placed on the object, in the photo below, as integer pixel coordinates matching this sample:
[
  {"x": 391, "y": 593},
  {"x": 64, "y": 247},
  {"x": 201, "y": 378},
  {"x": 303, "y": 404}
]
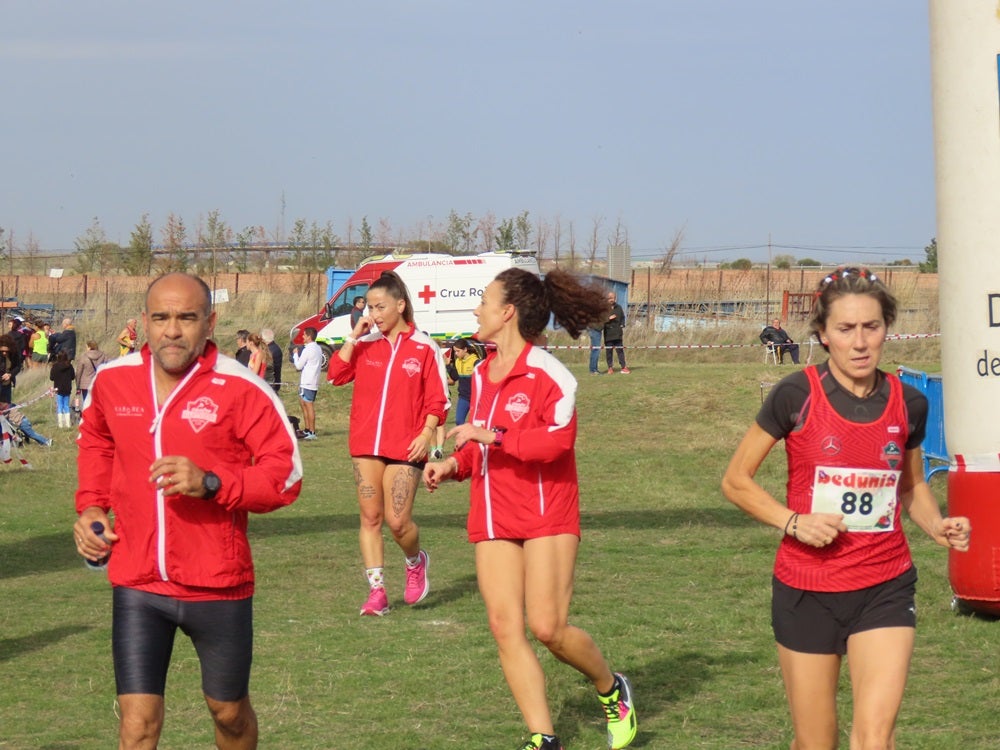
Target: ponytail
[{"x": 561, "y": 295}]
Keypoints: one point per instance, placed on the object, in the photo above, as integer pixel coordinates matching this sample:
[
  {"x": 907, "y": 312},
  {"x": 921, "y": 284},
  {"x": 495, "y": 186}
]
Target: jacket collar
[
  {"x": 520, "y": 365},
  {"x": 408, "y": 333}
]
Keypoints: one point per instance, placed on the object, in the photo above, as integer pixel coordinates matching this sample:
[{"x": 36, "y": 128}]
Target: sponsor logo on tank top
[
  {"x": 861, "y": 479},
  {"x": 892, "y": 454}
]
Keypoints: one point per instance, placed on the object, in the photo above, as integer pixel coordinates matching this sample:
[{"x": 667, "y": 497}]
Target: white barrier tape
[
  {"x": 51, "y": 392},
  {"x": 587, "y": 347}
]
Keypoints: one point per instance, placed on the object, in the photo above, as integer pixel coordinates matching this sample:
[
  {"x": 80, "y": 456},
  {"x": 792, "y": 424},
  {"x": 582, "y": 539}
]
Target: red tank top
[{"x": 839, "y": 466}]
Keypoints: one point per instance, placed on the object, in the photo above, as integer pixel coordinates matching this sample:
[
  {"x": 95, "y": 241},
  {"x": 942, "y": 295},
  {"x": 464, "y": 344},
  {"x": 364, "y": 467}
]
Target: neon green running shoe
[
  {"x": 620, "y": 714},
  {"x": 538, "y": 742}
]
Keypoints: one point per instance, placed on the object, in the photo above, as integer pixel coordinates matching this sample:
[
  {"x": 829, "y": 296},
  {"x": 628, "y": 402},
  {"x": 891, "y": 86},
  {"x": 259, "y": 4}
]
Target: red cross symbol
[{"x": 426, "y": 294}]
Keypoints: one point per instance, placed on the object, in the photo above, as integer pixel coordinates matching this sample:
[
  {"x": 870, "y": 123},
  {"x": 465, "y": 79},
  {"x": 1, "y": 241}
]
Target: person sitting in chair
[{"x": 778, "y": 337}]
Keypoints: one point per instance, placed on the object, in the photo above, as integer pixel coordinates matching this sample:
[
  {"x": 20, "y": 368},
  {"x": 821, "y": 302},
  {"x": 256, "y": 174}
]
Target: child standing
[{"x": 62, "y": 377}]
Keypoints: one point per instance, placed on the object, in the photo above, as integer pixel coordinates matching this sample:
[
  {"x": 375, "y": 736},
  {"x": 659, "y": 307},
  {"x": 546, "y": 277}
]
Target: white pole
[{"x": 965, "y": 88}]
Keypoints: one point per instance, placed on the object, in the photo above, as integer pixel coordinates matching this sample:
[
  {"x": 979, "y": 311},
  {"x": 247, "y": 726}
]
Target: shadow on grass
[
  {"x": 39, "y": 554},
  {"x": 458, "y": 589},
  {"x": 657, "y": 686},
  {"x": 11, "y": 647},
  {"x": 627, "y": 518},
  {"x": 54, "y": 552}
]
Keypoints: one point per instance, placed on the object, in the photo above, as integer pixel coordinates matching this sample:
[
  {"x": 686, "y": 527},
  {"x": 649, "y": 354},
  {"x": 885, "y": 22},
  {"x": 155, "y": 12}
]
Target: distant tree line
[
  {"x": 790, "y": 261},
  {"x": 212, "y": 245}
]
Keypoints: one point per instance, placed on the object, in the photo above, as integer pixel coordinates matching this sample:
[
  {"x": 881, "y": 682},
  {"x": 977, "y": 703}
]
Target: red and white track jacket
[
  {"x": 396, "y": 387},
  {"x": 527, "y": 486},
  {"x": 224, "y": 419}
]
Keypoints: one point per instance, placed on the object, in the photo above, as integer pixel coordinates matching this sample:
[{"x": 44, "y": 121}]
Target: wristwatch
[
  {"x": 498, "y": 433},
  {"x": 211, "y": 484}
]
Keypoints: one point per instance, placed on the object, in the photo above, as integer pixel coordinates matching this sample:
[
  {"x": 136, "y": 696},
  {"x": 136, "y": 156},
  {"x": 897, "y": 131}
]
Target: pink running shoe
[
  {"x": 417, "y": 584},
  {"x": 377, "y": 604}
]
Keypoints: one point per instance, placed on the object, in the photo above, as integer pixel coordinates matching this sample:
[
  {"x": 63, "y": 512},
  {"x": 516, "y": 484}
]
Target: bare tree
[
  {"x": 6, "y": 253},
  {"x": 595, "y": 238},
  {"x": 572, "y": 246},
  {"x": 487, "y": 230},
  {"x": 541, "y": 238},
  {"x": 31, "y": 253},
  {"x": 671, "y": 251},
  {"x": 556, "y": 239},
  {"x": 383, "y": 235},
  {"x": 619, "y": 236}
]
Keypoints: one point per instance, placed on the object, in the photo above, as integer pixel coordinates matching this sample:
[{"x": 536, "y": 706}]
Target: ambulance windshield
[{"x": 343, "y": 302}]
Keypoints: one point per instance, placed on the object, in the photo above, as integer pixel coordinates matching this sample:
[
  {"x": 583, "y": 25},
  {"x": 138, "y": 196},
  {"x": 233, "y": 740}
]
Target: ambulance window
[{"x": 343, "y": 302}]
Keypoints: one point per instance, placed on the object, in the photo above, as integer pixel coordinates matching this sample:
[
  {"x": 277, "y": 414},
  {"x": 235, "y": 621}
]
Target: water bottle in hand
[{"x": 98, "y": 528}]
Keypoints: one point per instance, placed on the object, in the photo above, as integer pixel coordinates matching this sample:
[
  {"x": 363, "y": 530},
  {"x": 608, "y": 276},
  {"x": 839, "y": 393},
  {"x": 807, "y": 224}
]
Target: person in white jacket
[{"x": 308, "y": 360}]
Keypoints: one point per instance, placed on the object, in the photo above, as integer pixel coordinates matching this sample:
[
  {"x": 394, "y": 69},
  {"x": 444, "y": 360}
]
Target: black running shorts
[
  {"x": 142, "y": 639},
  {"x": 819, "y": 622}
]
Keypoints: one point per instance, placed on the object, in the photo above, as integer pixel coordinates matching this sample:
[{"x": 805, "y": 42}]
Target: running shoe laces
[
  {"x": 417, "y": 584},
  {"x": 620, "y": 714}
]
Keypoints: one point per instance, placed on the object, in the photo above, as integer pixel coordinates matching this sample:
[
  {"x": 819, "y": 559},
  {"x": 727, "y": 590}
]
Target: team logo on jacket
[
  {"x": 830, "y": 445},
  {"x": 517, "y": 406},
  {"x": 200, "y": 412},
  {"x": 892, "y": 454},
  {"x": 411, "y": 366}
]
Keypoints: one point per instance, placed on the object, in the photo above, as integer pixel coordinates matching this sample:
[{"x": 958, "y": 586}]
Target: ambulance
[{"x": 444, "y": 290}]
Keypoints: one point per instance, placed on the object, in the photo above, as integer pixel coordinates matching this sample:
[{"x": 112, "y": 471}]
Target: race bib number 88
[{"x": 866, "y": 498}]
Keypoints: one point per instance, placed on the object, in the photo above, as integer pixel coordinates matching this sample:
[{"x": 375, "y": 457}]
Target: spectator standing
[
  {"x": 86, "y": 368},
  {"x": 308, "y": 360},
  {"x": 64, "y": 340},
  {"x": 62, "y": 376},
  {"x": 10, "y": 366},
  {"x": 518, "y": 451},
  {"x": 260, "y": 363},
  {"x": 277, "y": 357},
  {"x": 242, "y": 349},
  {"x": 595, "y": 334},
  {"x": 201, "y": 445},
  {"x": 38, "y": 344},
  {"x": 463, "y": 361},
  {"x": 20, "y": 338},
  {"x": 400, "y": 397},
  {"x": 128, "y": 338},
  {"x": 614, "y": 332}
]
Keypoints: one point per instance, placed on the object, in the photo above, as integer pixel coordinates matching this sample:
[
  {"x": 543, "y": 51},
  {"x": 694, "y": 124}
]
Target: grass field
[{"x": 672, "y": 581}]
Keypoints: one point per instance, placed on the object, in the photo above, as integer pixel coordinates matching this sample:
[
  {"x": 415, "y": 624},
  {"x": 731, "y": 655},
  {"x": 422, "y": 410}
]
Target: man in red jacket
[{"x": 180, "y": 445}]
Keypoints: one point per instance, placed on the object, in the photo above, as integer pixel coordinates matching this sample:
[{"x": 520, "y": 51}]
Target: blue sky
[{"x": 729, "y": 122}]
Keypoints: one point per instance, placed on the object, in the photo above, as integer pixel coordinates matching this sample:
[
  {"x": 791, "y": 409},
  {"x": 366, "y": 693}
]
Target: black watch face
[{"x": 212, "y": 483}]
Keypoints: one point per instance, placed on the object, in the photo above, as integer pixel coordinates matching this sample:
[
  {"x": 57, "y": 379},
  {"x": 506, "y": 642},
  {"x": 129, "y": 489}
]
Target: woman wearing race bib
[{"x": 844, "y": 580}]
